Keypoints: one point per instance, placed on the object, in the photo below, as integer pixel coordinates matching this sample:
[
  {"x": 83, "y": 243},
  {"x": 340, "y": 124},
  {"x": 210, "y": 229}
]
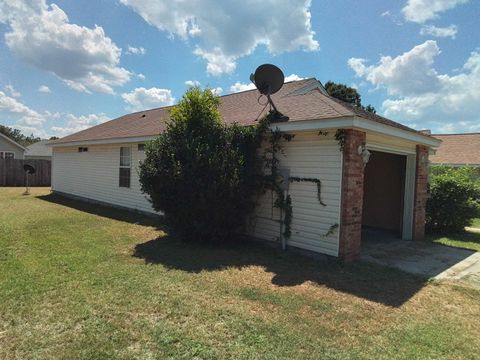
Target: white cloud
[
  {"x": 444, "y": 103},
  {"x": 30, "y": 121},
  {"x": 141, "y": 76},
  {"x": 10, "y": 90},
  {"x": 225, "y": 31},
  {"x": 409, "y": 73},
  {"x": 14, "y": 108},
  {"x": 239, "y": 86},
  {"x": 293, "y": 77},
  {"x": 420, "y": 11},
  {"x": 449, "y": 31},
  {"x": 131, "y": 50},
  {"x": 143, "y": 99},
  {"x": 77, "y": 123},
  {"x": 192, "y": 83},
  {"x": 41, "y": 35},
  {"x": 44, "y": 89},
  {"x": 217, "y": 91},
  {"x": 217, "y": 62}
]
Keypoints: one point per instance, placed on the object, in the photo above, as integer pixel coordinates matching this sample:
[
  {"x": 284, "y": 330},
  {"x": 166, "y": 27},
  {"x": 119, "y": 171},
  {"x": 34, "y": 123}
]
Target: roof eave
[
  {"x": 122, "y": 140},
  {"x": 358, "y": 123}
]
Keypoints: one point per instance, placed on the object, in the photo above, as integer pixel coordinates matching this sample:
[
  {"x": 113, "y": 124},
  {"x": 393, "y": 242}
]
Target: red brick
[
  {"x": 352, "y": 196},
  {"x": 421, "y": 180}
]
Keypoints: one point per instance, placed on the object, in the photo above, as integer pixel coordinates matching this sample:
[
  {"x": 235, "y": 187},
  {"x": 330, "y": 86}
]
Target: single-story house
[
  {"x": 9, "y": 149},
  {"x": 457, "y": 150},
  {"x": 39, "y": 151},
  {"x": 387, "y": 190}
]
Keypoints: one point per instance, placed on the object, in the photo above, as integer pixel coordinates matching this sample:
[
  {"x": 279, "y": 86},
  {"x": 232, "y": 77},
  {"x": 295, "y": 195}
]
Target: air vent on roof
[{"x": 269, "y": 79}]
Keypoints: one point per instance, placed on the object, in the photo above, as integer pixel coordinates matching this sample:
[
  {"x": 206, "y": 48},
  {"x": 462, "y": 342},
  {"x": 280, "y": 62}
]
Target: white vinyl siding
[
  {"x": 7, "y": 146},
  {"x": 95, "y": 175},
  {"x": 308, "y": 155}
]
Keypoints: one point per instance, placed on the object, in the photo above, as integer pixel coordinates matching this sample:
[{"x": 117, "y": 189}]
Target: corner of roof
[
  {"x": 310, "y": 85},
  {"x": 12, "y": 141}
]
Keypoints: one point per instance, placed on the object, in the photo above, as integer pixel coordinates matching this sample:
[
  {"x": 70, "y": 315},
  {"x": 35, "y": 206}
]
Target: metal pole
[{"x": 284, "y": 242}]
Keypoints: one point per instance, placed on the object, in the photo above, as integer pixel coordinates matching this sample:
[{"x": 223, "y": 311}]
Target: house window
[
  {"x": 82, "y": 149},
  {"x": 7, "y": 155},
  {"x": 141, "y": 147},
  {"x": 125, "y": 161}
]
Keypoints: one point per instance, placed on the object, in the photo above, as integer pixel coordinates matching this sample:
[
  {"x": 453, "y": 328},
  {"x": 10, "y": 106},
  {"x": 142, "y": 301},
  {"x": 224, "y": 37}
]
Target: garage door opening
[{"x": 383, "y": 197}]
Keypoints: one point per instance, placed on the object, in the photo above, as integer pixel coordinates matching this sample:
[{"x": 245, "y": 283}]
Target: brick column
[
  {"x": 352, "y": 196},
  {"x": 421, "y": 179}
]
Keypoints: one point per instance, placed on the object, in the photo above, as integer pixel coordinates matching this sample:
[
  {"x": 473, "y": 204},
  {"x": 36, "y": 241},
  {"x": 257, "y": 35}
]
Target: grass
[
  {"x": 79, "y": 282},
  {"x": 468, "y": 240},
  {"x": 476, "y": 223}
]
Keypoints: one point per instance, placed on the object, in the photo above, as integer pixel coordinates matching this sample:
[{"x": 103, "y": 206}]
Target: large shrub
[
  {"x": 201, "y": 173},
  {"x": 454, "y": 199}
]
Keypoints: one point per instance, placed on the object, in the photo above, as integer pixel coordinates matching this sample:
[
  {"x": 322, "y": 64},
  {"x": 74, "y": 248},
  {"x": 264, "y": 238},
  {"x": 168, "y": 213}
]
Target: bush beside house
[
  {"x": 201, "y": 172},
  {"x": 454, "y": 199}
]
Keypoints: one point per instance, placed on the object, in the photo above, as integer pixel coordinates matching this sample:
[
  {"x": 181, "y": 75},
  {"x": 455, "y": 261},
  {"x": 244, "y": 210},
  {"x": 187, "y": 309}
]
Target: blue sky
[{"x": 69, "y": 65}]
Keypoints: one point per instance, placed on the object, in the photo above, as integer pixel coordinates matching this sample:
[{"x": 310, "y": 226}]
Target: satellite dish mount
[
  {"x": 269, "y": 79},
  {"x": 29, "y": 169}
]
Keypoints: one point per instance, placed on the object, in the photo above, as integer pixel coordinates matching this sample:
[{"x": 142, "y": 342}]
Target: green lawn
[
  {"x": 467, "y": 240},
  {"x": 476, "y": 223},
  {"x": 86, "y": 282}
]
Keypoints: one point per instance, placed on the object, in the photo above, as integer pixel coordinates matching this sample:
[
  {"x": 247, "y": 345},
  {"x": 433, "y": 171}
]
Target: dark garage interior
[{"x": 383, "y": 197}]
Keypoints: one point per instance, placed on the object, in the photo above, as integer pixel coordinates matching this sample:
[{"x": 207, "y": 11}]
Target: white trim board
[
  {"x": 357, "y": 123},
  {"x": 126, "y": 140}
]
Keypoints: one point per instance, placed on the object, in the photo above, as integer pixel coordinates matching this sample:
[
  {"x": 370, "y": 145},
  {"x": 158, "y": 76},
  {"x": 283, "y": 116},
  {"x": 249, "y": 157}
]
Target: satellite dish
[
  {"x": 29, "y": 169},
  {"x": 268, "y": 79}
]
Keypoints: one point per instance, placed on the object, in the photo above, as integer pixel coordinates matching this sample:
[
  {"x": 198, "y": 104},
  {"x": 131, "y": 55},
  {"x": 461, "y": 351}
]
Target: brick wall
[
  {"x": 352, "y": 196},
  {"x": 421, "y": 179}
]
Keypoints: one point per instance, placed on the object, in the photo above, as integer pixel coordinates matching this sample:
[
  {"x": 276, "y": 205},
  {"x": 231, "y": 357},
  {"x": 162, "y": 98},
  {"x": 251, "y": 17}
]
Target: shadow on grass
[
  {"x": 373, "y": 282},
  {"x": 104, "y": 211},
  {"x": 466, "y": 240}
]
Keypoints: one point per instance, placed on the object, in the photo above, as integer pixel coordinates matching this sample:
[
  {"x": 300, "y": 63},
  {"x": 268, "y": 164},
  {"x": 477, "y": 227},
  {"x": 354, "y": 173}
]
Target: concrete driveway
[{"x": 424, "y": 258}]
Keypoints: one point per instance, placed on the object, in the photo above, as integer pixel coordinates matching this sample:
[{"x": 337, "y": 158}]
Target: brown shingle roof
[
  {"x": 458, "y": 149},
  {"x": 299, "y": 100}
]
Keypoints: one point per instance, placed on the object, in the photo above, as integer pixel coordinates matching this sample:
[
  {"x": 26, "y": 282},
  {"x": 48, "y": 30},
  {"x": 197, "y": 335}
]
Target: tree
[
  {"x": 17, "y": 136},
  {"x": 200, "y": 172},
  {"x": 347, "y": 94}
]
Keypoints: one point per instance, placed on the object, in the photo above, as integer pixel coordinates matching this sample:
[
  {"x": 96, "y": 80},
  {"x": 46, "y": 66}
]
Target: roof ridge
[{"x": 452, "y": 134}]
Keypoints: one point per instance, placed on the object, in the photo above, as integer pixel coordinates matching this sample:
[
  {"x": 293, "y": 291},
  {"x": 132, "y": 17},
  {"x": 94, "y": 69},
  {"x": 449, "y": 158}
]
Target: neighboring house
[
  {"x": 39, "y": 151},
  {"x": 9, "y": 149},
  {"x": 389, "y": 192},
  {"x": 458, "y": 150}
]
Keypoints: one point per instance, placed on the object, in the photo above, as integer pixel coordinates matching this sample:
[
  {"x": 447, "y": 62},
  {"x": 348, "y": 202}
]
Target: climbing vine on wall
[
  {"x": 341, "y": 137},
  {"x": 313, "y": 180},
  {"x": 270, "y": 158}
]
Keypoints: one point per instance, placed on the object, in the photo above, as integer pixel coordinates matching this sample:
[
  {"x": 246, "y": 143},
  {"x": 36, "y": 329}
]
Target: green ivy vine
[
  {"x": 271, "y": 162},
  {"x": 316, "y": 181},
  {"x": 341, "y": 137}
]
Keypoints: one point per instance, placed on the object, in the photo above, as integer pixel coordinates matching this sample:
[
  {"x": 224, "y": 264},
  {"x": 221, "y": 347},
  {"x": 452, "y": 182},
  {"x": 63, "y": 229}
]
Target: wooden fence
[{"x": 12, "y": 173}]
